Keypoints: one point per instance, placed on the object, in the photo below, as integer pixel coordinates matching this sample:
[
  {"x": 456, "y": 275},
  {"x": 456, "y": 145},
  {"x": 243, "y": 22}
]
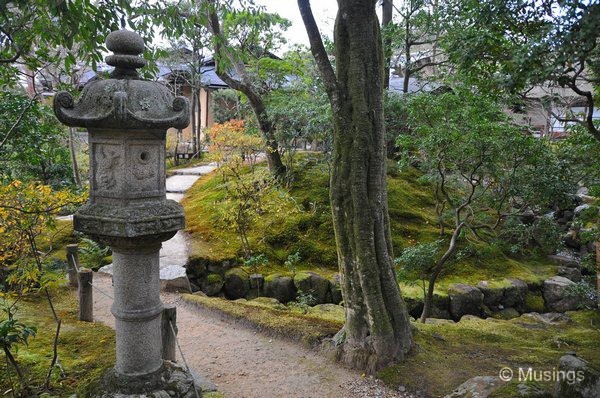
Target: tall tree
[
  {"x": 256, "y": 31},
  {"x": 414, "y": 38},
  {"x": 387, "y": 11},
  {"x": 377, "y": 329}
]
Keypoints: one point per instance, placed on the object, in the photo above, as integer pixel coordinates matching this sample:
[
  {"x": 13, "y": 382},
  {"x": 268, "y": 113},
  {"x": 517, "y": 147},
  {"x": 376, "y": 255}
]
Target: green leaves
[
  {"x": 13, "y": 332},
  {"x": 32, "y": 142},
  {"x": 482, "y": 166}
]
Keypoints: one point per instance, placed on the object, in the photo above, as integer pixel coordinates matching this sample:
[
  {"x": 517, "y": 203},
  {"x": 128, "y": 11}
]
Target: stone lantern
[{"x": 127, "y": 119}]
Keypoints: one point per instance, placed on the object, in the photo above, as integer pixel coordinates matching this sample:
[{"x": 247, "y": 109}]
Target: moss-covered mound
[
  {"x": 85, "y": 350},
  {"x": 299, "y": 220},
  {"x": 448, "y": 354}
]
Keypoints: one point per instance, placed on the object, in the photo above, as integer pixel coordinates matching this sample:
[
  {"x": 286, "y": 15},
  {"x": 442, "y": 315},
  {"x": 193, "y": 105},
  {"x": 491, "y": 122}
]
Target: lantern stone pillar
[{"x": 127, "y": 119}]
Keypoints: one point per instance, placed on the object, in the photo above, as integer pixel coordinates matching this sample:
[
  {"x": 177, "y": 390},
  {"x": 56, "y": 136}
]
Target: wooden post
[
  {"x": 86, "y": 299},
  {"x": 169, "y": 316},
  {"x": 72, "y": 264}
]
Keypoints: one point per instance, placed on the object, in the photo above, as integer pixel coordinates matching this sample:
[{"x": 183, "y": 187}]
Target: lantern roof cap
[{"x": 124, "y": 101}]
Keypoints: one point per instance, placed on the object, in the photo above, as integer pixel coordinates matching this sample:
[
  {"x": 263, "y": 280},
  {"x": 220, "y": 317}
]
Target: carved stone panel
[
  {"x": 144, "y": 172},
  {"x": 107, "y": 169}
]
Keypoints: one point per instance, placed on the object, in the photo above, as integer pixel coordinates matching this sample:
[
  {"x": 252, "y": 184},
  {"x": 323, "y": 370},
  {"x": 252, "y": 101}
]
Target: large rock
[
  {"x": 313, "y": 284},
  {"x": 335, "y": 289},
  {"x": 280, "y": 287},
  {"x": 514, "y": 294},
  {"x": 440, "y": 307},
  {"x": 580, "y": 380},
  {"x": 174, "y": 277},
  {"x": 479, "y": 387},
  {"x": 564, "y": 259},
  {"x": 555, "y": 294},
  {"x": 492, "y": 296},
  {"x": 581, "y": 208},
  {"x": 571, "y": 239},
  {"x": 573, "y": 274},
  {"x": 237, "y": 284},
  {"x": 212, "y": 284},
  {"x": 464, "y": 299}
]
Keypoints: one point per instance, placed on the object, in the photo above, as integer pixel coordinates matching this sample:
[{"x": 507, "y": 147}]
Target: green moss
[
  {"x": 301, "y": 277},
  {"x": 534, "y": 302},
  {"x": 56, "y": 241},
  {"x": 212, "y": 394},
  {"x": 303, "y": 223},
  {"x": 272, "y": 277},
  {"x": 449, "y": 354},
  {"x": 214, "y": 278},
  {"x": 86, "y": 350},
  {"x": 306, "y": 328},
  {"x": 238, "y": 272},
  {"x": 266, "y": 302}
]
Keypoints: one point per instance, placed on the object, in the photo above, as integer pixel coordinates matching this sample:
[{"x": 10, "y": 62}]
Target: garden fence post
[
  {"x": 169, "y": 317},
  {"x": 86, "y": 300}
]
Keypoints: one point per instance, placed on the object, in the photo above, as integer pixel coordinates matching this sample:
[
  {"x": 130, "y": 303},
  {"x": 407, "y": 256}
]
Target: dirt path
[{"x": 245, "y": 364}]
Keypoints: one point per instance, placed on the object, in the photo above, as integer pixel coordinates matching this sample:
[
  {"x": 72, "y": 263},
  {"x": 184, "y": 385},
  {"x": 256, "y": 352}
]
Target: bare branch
[
  {"x": 317, "y": 48},
  {"x": 14, "y": 126}
]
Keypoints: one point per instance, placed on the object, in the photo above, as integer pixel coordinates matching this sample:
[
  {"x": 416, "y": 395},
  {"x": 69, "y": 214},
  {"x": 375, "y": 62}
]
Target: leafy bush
[
  {"x": 541, "y": 237},
  {"x": 255, "y": 261}
]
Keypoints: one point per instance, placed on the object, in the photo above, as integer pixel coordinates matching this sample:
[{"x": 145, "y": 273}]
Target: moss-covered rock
[
  {"x": 440, "y": 307},
  {"x": 479, "y": 386},
  {"x": 492, "y": 296},
  {"x": 464, "y": 300},
  {"x": 580, "y": 379},
  {"x": 237, "y": 284},
  {"x": 313, "y": 284},
  {"x": 555, "y": 294},
  {"x": 506, "y": 313},
  {"x": 514, "y": 294},
  {"x": 534, "y": 302},
  {"x": 269, "y": 302},
  {"x": 212, "y": 284},
  {"x": 280, "y": 287}
]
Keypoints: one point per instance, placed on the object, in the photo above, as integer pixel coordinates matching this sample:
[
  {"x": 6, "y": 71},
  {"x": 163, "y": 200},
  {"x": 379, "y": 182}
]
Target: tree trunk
[
  {"x": 437, "y": 270},
  {"x": 377, "y": 330},
  {"x": 74, "y": 165},
  {"x": 274, "y": 161},
  {"x": 243, "y": 84},
  {"x": 193, "y": 120}
]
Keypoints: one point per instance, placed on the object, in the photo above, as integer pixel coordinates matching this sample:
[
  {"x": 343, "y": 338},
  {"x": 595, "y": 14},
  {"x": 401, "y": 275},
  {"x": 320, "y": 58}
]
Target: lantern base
[{"x": 169, "y": 381}]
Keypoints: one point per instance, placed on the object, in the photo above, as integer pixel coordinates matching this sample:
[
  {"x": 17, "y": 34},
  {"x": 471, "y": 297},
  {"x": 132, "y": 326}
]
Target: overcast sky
[{"x": 323, "y": 10}]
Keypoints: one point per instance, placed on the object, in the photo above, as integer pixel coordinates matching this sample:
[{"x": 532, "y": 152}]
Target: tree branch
[
  {"x": 589, "y": 119},
  {"x": 317, "y": 48},
  {"x": 13, "y": 128}
]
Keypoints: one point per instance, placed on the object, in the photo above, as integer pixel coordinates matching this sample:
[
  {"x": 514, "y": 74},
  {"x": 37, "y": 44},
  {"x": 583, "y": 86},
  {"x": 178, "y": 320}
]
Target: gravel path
[
  {"x": 245, "y": 364},
  {"x": 239, "y": 361}
]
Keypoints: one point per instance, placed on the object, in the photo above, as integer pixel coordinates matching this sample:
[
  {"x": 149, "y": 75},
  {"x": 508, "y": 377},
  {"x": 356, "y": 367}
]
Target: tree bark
[{"x": 377, "y": 330}]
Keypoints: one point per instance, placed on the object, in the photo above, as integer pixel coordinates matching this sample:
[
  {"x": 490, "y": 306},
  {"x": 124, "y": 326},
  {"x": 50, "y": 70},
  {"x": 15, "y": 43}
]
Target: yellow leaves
[{"x": 26, "y": 209}]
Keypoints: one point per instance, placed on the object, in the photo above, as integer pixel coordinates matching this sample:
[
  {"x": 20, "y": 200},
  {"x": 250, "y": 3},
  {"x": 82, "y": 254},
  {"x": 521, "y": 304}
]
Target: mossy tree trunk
[{"x": 377, "y": 330}]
